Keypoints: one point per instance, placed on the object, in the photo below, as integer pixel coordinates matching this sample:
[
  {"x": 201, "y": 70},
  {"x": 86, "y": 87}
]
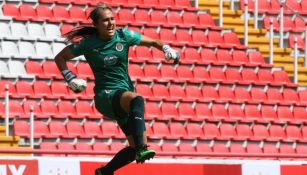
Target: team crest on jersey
[
  {"x": 110, "y": 60},
  {"x": 119, "y": 47}
]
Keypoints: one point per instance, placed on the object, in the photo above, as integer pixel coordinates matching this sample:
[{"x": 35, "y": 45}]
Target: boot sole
[{"x": 146, "y": 157}]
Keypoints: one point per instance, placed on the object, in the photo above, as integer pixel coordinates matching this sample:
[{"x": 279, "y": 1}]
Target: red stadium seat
[
  {"x": 150, "y": 32},
  {"x": 244, "y": 131},
  {"x": 209, "y": 93},
  {"x": 293, "y": 132},
  {"x": 252, "y": 112},
  {"x": 233, "y": 75},
  {"x": 202, "y": 111},
  {"x": 143, "y": 53},
  {"x": 270, "y": 149},
  {"x": 36, "y": 108},
  {"x": 291, "y": 96},
  {"x": 109, "y": 129},
  {"x": 157, "y": 17},
  {"x": 167, "y": 36},
  {"x": 303, "y": 96},
  {"x": 142, "y": 17},
  {"x": 194, "y": 130},
  {"x": 193, "y": 92},
  {"x": 33, "y": 67},
  {"x": 265, "y": 76},
  {"x": 169, "y": 111},
  {"x": 211, "y": 131},
  {"x": 268, "y": 113},
  {"x": 173, "y": 18},
  {"x": 65, "y": 146},
  {"x": 199, "y": 37},
  {"x": 183, "y": 37},
  {"x": 59, "y": 89},
  {"x": 240, "y": 57},
  {"x": 237, "y": 148},
  {"x": 249, "y": 75},
  {"x": 100, "y": 146},
  {"x": 223, "y": 56},
  {"x": 15, "y": 108},
  {"x": 84, "y": 70},
  {"x": 257, "y": 58},
  {"x": 24, "y": 89},
  {"x": 232, "y": 40},
  {"x": 186, "y": 111},
  {"x": 217, "y": 74},
  {"x": 285, "y": 114},
  {"x": 236, "y": 112},
  {"x": 125, "y": 16},
  {"x": 57, "y": 128},
  {"x": 286, "y": 149},
  {"x": 299, "y": 25},
  {"x": 225, "y": 93},
  {"x": 254, "y": 149},
  {"x": 152, "y": 110},
  {"x": 190, "y": 18},
  {"x": 92, "y": 129},
  {"x": 42, "y": 89},
  {"x": 144, "y": 90},
  {"x": 301, "y": 149},
  {"x": 83, "y": 146},
  {"x": 186, "y": 148},
  {"x": 191, "y": 55},
  {"x": 41, "y": 130},
  {"x": 258, "y": 95},
  {"x": 206, "y": 20},
  {"x": 282, "y": 77},
  {"x": 75, "y": 129},
  {"x": 300, "y": 42},
  {"x": 184, "y": 73},
  {"x": 168, "y": 72},
  {"x": 167, "y": 3},
  {"x": 51, "y": 69},
  {"x": 177, "y": 130},
  {"x": 216, "y": 39},
  {"x": 277, "y": 132},
  {"x": 48, "y": 146},
  {"x": 49, "y": 108},
  {"x": 274, "y": 95},
  {"x": 160, "y": 130},
  {"x": 220, "y": 148},
  {"x": 203, "y": 148},
  {"x": 300, "y": 113},
  {"x": 21, "y": 128},
  {"x": 227, "y": 131},
  {"x": 84, "y": 108},
  {"x": 135, "y": 71},
  {"x": 77, "y": 14},
  {"x": 67, "y": 108},
  {"x": 169, "y": 147},
  {"x": 242, "y": 94},
  {"x": 200, "y": 73},
  {"x": 61, "y": 13},
  {"x": 160, "y": 91},
  {"x": 219, "y": 112},
  {"x": 260, "y": 132}
]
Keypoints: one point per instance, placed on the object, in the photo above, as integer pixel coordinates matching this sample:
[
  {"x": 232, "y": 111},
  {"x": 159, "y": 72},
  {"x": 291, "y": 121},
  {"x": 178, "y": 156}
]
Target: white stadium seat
[
  {"x": 9, "y": 49},
  {"x": 26, "y": 49},
  {"x": 36, "y": 31},
  {"x": 3, "y": 68},
  {"x": 43, "y": 50},
  {"x": 52, "y": 31},
  {"x": 57, "y": 47}
]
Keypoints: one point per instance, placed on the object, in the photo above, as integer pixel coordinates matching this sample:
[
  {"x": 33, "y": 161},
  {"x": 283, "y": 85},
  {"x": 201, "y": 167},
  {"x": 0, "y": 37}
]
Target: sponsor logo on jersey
[
  {"x": 107, "y": 91},
  {"x": 110, "y": 60},
  {"x": 119, "y": 47}
]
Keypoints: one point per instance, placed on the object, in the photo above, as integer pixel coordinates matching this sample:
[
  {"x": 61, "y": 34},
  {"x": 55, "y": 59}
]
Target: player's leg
[
  {"x": 133, "y": 104},
  {"x": 127, "y": 154}
]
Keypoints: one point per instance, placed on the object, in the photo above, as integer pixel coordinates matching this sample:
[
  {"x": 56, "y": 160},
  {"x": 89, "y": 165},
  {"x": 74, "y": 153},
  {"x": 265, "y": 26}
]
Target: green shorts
[{"x": 107, "y": 102}]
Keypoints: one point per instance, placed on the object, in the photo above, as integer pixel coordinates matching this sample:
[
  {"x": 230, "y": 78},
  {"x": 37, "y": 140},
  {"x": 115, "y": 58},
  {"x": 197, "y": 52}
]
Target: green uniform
[{"x": 109, "y": 63}]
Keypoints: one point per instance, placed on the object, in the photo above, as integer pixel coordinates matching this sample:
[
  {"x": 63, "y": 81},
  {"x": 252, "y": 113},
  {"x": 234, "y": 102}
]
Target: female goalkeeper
[{"x": 106, "y": 51}]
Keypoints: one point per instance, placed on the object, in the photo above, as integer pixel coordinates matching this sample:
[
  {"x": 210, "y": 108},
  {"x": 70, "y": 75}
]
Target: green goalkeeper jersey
[{"x": 108, "y": 59}]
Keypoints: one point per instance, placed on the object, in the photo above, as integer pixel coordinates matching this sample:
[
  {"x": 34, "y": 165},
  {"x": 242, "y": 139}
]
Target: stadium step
[
  {"x": 215, "y": 12},
  {"x": 212, "y": 3},
  {"x": 2, "y": 130}
]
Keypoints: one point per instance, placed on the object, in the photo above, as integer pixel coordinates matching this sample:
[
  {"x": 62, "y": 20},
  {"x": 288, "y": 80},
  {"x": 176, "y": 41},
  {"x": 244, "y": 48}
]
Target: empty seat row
[
  {"x": 290, "y": 25},
  {"x": 49, "y": 108},
  {"x": 72, "y": 129},
  {"x": 273, "y": 6},
  {"x": 225, "y": 131},
  {"x": 209, "y": 93},
  {"x": 25, "y": 49},
  {"x": 156, "y": 4},
  {"x": 160, "y": 130},
  {"x": 202, "y": 149},
  {"x": 300, "y": 42},
  {"x": 199, "y": 74},
  {"x": 12, "y": 68},
  {"x": 30, "y": 31},
  {"x": 124, "y": 16},
  {"x": 42, "y": 89},
  {"x": 218, "y": 112}
]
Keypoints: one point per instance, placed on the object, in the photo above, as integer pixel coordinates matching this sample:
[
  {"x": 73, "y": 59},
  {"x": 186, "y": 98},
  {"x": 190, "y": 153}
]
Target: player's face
[{"x": 106, "y": 24}]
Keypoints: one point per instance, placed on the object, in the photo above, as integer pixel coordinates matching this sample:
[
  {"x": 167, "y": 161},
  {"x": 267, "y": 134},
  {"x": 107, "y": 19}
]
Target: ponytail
[{"x": 80, "y": 32}]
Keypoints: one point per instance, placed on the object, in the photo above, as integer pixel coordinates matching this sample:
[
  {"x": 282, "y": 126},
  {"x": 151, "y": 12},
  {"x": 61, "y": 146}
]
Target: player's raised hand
[
  {"x": 171, "y": 54},
  {"x": 75, "y": 84}
]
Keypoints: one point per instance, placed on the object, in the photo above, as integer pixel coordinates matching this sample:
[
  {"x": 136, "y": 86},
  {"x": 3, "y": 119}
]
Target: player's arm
[
  {"x": 170, "y": 54},
  {"x": 75, "y": 84}
]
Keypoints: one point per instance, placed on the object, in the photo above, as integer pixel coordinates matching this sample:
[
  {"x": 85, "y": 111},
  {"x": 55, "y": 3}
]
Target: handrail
[
  {"x": 196, "y": 154},
  {"x": 304, "y": 19}
]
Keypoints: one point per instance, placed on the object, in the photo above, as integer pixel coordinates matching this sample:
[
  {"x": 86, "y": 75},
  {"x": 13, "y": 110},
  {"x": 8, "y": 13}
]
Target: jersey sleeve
[
  {"x": 78, "y": 48},
  {"x": 133, "y": 38}
]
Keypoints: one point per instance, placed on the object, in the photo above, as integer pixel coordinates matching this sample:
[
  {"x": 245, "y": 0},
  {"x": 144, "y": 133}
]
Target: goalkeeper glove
[
  {"x": 75, "y": 84},
  {"x": 171, "y": 54}
]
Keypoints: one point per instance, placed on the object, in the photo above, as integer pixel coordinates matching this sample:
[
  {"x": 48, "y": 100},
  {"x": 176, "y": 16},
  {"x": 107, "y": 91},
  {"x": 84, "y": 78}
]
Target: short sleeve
[
  {"x": 133, "y": 38},
  {"x": 78, "y": 48}
]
